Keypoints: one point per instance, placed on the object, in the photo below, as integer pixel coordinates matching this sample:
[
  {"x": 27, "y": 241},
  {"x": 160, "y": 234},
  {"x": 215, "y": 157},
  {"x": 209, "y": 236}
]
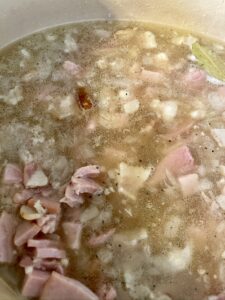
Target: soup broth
[{"x": 112, "y": 139}]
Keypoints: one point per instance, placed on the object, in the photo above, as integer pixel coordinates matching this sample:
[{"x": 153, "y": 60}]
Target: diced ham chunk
[
  {"x": 34, "y": 176},
  {"x": 52, "y": 206},
  {"x": 96, "y": 241},
  {"x": 81, "y": 184},
  {"x": 189, "y": 184},
  {"x": 25, "y": 262},
  {"x": 71, "y": 67},
  {"x": 59, "y": 287},
  {"x": 23, "y": 196},
  {"x": 195, "y": 79},
  {"x": 48, "y": 265},
  {"x": 85, "y": 185},
  {"x": 50, "y": 253},
  {"x": 12, "y": 174},
  {"x": 217, "y": 297},
  {"x": 72, "y": 233},
  {"x": 71, "y": 198},
  {"x": 107, "y": 292},
  {"x": 45, "y": 191},
  {"x": 178, "y": 162},
  {"x": 34, "y": 283},
  {"x": 87, "y": 171},
  {"x": 7, "y": 231},
  {"x": 48, "y": 223},
  {"x": 42, "y": 243},
  {"x": 41, "y": 264},
  {"x": 24, "y": 232}
]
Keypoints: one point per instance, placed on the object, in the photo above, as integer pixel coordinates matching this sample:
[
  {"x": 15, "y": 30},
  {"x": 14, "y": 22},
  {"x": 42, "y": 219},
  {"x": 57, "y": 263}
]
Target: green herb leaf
[{"x": 210, "y": 61}]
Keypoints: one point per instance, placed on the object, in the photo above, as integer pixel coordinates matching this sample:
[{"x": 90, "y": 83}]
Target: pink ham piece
[
  {"x": 42, "y": 243},
  {"x": 91, "y": 171},
  {"x": 72, "y": 232},
  {"x": 48, "y": 265},
  {"x": 107, "y": 292},
  {"x": 34, "y": 176},
  {"x": 96, "y": 241},
  {"x": 195, "y": 79},
  {"x": 24, "y": 232},
  {"x": 23, "y": 196},
  {"x": 48, "y": 223},
  {"x": 71, "y": 198},
  {"x": 217, "y": 297},
  {"x": 50, "y": 253},
  {"x": 52, "y": 206},
  {"x": 12, "y": 174},
  {"x": 179, "y": 162},
  {"x": 7, "y": 231},
  {"x": 59, "y": 287},
  {"x": 42, "y": 264},
  {"x": 71, "y": 67},
  {"x": 81, "y": 184},
  {"x": 85, "y": 185},
  {"x": 189, "y": 184},
  {"x": 44, "y": 191},
  {"x": 34, "y": 283},
  {"x": 26, "y": 262}
]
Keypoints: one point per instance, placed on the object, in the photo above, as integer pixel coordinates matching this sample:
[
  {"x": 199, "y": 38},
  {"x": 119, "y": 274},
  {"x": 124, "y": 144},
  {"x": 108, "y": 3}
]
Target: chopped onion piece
[
  {"x": 131, "y": 237},
  {"x": 89, "y": 214},
  {"x": 189, "y": 184},
  {"x": 131, "y": 107},
  {"x": 219, "y": 136},
  {"x": 39, "y": 208},
  {"x": 214, "y": 80},
  {"x": 148, "y": 40},
  {"x": 176, "y": 261},
  {"x": 14, "y": 96},
  {"x": 169, "y": 110},
  {"x": 172, "y": 227},
  {"x": 37, "y": 179},
  {"x": 222, "y": 170},
  {"x": 221, "y": 201},
  {"x": 70, "y": 44},
  {"x": 28, "y": 213},
  {"x": 205, "y": 184},
  {"x": 105, "y": 255},
  {"x": 131, "y": 179},
  {"x": 198, "y": 114},
  {"x": 124, "y": 94},
  {"x": 184, "y": 40}
]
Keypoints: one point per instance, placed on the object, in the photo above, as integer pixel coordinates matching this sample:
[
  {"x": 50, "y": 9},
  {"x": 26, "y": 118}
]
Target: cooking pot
[{"x": 21, "y": 17}]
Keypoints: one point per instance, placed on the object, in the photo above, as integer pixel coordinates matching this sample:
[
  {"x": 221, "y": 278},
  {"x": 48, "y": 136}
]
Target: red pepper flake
[{"x": 84, "y": 99}]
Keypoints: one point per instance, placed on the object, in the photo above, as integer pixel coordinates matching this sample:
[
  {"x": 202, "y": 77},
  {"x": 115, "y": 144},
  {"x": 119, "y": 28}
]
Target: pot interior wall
[{"x": 18, "y": 18}]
